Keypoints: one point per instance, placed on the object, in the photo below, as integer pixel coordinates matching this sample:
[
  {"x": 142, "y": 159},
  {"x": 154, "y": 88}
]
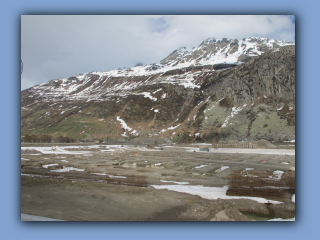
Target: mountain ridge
[{"x": 158, "y": 100}]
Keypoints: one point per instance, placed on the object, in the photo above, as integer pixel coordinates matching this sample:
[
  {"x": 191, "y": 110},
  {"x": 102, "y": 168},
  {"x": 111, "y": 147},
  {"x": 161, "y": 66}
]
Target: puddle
[{"x": 257, "y": 216}]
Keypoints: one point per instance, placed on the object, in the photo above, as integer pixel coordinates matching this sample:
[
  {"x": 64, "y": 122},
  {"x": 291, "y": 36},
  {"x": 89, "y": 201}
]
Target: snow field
[{"x": 211, "y": 193}]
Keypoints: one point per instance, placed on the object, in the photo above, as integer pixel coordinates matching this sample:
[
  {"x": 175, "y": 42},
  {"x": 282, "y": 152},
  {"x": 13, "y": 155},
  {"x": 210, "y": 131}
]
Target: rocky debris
[
  {"x": 230, "y": 214},
  {"x": 230, "y": 210},
  {"x": 247, "y": 205},
  {"x": 283, "y": 211},
  {"x": 30, "y": 151},
  {"x": 129, "y": 165},
  {"x": 200, "y": 211}
]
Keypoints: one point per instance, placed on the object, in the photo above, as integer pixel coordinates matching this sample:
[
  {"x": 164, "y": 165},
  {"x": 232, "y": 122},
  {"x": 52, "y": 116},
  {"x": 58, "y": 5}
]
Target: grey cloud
[{"x": 61, "y": 46}]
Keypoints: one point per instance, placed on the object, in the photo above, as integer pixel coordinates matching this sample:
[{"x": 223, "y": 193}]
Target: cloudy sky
[{"x": 59, "y": 46}]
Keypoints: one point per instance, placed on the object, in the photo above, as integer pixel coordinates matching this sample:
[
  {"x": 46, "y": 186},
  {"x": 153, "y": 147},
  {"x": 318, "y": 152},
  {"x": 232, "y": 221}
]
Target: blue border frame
[{"x": 307, "y": 163}]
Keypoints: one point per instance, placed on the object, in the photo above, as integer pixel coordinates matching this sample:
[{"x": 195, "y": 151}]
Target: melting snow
[
  {"x": 278, "y": 174},
  {"x": 247, "y": 169},
  {"x": 211, "y": 193},
  {"x": 148, "y": 95},
  {"x": 209, "y": 108},
  {"x": 157, "y": 90},
  {"x": 170, "y": 128},
  {"x": 235, "y": 110},
  {"x": 134, "y": 132},
  {"x": 180, "y": 183},
  {"x": 49, "y": 165},
  {"x": 109, "y": 175},
  {"x": 67, "y": 169},
  {"x": 201, "y": 166},
  {"x": 223, "y": 168},
  {"x": 124, "y": 125}
]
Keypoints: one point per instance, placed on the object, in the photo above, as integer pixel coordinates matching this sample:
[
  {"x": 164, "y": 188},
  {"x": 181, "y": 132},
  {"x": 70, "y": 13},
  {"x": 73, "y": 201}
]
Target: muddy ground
[{"x": 117, "y": 185}]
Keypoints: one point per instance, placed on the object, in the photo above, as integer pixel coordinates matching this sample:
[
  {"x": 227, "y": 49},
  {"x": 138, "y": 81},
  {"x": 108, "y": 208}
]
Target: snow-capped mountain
[
  {"x": 212, "y": 51},
  {"x": 152, "y": 100},
  {"x": 101, "y": 85}
]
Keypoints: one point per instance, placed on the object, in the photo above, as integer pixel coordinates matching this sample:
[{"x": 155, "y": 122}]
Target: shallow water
[{"x": 257, "y": 217}]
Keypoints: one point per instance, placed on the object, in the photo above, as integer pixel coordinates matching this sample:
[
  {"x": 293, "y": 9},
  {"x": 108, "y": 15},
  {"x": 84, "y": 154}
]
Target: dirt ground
[
  {"x": 116, "y": 185},
  {"x": 90, "y": 201}
]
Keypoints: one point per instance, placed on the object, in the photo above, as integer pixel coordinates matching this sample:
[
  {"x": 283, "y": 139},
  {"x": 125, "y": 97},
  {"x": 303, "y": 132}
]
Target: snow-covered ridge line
[
  {"x": 101, "y": 86},
  {"x": 249, "y": 46},
  {"x": 219, "y": 57}
]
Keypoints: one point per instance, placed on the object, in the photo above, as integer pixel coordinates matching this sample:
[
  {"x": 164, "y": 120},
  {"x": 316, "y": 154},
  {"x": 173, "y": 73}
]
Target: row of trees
[{"x": 46, "y": 139}]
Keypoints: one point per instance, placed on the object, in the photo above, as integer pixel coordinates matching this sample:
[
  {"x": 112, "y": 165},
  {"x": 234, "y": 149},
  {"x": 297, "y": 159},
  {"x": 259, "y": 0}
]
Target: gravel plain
[{"x": 117, "y": 183}]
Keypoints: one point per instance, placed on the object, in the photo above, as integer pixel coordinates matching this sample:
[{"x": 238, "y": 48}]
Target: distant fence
[{"x": 239, "y": 145}]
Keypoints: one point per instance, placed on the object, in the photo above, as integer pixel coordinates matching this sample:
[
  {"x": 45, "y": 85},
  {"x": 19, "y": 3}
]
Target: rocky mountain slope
[{"x": 222, "y": 90}]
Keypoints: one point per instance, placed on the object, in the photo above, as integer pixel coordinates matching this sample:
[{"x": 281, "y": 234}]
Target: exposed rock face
[
  {"x": 264, "y": 90},
  {"x": 269, "y": 74},
  {"x": 214, "y": 101}
]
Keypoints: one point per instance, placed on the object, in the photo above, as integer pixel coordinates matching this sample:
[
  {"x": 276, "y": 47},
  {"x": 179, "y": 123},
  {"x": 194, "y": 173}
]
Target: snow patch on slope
[{"x": 235, "y": 110}]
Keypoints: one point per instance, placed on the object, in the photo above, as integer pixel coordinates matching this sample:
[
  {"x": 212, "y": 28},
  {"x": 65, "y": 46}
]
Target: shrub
[
  {"x": 226, "y": 102},
  {"x": 176, "y": 139}
]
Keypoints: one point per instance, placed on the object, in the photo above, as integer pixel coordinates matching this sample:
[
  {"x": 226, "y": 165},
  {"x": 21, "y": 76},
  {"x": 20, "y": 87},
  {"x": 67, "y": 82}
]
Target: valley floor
[{"x": 178, "y": 183}]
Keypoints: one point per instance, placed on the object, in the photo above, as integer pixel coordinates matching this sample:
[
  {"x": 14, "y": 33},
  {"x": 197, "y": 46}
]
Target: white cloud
[{"x": 61, "y": 46}]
